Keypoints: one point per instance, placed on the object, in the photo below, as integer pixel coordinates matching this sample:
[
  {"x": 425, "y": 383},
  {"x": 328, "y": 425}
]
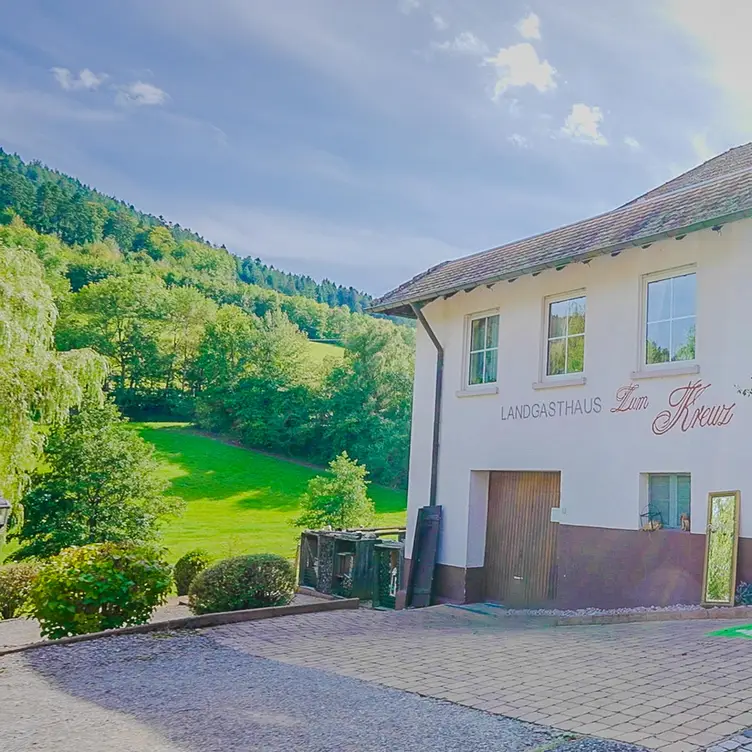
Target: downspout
[{"x": 437, "y": 402}]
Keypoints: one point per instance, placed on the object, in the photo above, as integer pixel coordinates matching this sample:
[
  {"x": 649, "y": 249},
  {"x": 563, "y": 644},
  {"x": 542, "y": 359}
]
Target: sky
[{"x": 365, "y": 141}]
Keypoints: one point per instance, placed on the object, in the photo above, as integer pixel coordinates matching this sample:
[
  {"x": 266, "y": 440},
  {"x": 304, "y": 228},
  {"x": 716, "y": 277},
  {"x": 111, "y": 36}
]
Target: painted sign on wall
[
  {"x": 552, "y": 409},
  {"x": 684, "y": 412},
  {"x": 685, "y": 408},
  {"x": 627, "y": 401}
]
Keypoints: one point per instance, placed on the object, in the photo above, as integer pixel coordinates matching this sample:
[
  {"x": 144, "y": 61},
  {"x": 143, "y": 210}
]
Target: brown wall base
[
  {"x": 624, "y": 568},
  {"x": 606, "y": 568},
  {"x": 451, "y": 584}
]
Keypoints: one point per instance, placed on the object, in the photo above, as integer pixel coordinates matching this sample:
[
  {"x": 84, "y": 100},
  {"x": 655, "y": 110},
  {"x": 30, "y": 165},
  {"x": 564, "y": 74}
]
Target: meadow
[{"x": 239, "y": 500}]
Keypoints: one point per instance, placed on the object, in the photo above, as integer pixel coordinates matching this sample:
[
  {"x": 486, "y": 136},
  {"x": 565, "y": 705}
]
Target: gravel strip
[
  {"x": 501, "y": 611},
  {"x": 187, "y": 693}
]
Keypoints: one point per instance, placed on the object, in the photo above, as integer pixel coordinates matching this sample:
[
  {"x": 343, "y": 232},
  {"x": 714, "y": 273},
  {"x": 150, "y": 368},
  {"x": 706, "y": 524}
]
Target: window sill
[
  {"x": 478, "y": 391},
  {"x": 555, "y": 383},
  {"x": 661, "y": 373}
]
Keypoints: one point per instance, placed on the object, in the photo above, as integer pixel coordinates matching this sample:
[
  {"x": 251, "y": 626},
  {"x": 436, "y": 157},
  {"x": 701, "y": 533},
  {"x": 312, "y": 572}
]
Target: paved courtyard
[
  {"x": 661, "y": 685},
  {"x": 186, "y": 692}
]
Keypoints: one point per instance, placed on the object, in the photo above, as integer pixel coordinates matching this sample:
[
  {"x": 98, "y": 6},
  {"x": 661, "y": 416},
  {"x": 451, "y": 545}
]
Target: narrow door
[{"x": 521, "y": 539}]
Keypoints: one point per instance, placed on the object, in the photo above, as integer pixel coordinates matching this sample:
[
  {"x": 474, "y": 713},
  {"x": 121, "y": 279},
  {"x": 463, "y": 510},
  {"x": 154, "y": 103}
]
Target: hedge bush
[
  {"x": 187, "y": 567},
  {"x": 16, "y": 581},
  {"x": 99, "y": 586},
  {"x": 243, "y": 582}
]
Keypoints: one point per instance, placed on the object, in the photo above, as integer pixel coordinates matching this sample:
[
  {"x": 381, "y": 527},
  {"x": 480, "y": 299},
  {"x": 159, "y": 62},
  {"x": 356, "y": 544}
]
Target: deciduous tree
[{"x": 101, "y": 484}]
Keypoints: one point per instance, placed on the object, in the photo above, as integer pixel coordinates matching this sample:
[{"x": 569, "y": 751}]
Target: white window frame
[
  {"x": 673, "y": 493},
  {"x": 672, "y": 367},
  {"x": 489, "y": 387},
  {"x": 545, "y": 380}
]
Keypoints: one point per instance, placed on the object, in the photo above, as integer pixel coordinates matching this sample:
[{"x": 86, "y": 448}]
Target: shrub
[
  {"x": 15, "y": 583},
  {"x": 243, "y": 582},
  {"x": 99, "y": 586},
  {"x": 187, "y": 567}
]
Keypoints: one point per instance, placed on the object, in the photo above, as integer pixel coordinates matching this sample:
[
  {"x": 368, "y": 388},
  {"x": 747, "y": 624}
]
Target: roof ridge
[
  {"x": 656, "y": 199},
  {"x": 687, "y": 172}
]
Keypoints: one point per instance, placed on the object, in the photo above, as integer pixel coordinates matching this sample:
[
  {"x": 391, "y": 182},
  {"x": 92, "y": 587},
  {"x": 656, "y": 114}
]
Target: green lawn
[{"x": 239, "y": 501}]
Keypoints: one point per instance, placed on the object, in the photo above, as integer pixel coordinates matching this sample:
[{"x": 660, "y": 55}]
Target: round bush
[
  {"x": 243, "y": 582},
  {"x": 187, "y": 567},
  {"x": 16, "y": 581},
  {"x": 99, "y": 586}
]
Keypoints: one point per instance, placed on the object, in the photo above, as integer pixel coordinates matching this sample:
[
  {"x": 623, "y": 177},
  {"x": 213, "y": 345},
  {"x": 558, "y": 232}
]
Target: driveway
[
  {"x": 663, "y": 685},
  {"x": 194, "y": 693}
]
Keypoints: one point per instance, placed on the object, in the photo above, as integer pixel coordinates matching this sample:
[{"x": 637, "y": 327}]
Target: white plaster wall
[{"x": 601, "y": 456}]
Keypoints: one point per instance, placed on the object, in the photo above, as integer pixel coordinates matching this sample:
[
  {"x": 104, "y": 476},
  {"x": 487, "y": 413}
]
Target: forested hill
[{"x": 53, "y": 203}]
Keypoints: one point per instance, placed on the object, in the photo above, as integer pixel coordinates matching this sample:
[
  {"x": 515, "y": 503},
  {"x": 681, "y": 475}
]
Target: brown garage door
[{"x": 521, "y": 539}]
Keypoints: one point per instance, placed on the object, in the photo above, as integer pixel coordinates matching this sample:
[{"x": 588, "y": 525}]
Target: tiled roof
[{"x": 716, "y": 192}]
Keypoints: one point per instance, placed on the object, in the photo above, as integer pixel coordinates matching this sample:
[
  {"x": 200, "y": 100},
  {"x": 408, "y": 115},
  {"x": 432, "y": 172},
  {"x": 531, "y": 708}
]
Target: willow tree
[{"x": 38, "y": 385}]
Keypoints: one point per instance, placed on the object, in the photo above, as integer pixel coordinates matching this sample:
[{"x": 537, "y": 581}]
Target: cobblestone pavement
[
  {"x": 663, "y": 685},
  {"x": 185, "y": 692}
]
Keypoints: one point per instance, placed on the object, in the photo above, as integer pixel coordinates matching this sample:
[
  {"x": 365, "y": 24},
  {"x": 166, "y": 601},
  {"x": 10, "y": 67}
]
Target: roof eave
[{"x": 403, "y": 304}]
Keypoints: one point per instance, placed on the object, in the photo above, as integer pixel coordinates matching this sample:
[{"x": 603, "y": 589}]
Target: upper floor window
[
  {"x": 565, "y": 345},
  {"x": 484, "y": 350},
  {"x": 670, "y": 319}
]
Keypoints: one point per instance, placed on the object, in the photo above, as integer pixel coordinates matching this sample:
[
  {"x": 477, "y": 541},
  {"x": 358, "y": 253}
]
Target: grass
[
  {"x": 319, "y": 351},
  {"x": 239, "y": 501}
]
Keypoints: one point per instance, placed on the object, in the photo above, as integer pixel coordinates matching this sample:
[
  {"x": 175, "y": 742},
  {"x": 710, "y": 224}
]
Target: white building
[{"x": 591, "y": 385}]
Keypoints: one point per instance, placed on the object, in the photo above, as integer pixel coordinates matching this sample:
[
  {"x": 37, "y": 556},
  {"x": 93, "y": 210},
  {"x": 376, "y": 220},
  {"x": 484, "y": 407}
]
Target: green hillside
[
  {"x": 186, "y": 335},
  {"x": 239, "y": 501},
  {"x": 51, "y": 202}
]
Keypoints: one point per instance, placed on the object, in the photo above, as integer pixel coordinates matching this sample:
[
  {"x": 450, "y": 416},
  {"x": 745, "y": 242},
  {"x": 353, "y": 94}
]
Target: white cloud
[
  {"x": 86, "y": 79},
  {"x": 519, "y": 65},
  {"x": 529, "y": 27},
  {"x": 632, "y": 143},
  {"x": 701, "y": 148},
  {"x": 583, "y": 124},
  {"x": 439, "y": 22},
  {"x": 408, "y": 6},
  {"x": 519, "y": 140},
  {"x": 140, "y": 94},
  {"x": 465, "y": 43}
]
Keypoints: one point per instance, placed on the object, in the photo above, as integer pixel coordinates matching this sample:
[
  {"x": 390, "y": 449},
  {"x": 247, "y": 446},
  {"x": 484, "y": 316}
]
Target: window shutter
[
  {"x": 683, "y": 496},
  {"x": 659, "y": 498}
]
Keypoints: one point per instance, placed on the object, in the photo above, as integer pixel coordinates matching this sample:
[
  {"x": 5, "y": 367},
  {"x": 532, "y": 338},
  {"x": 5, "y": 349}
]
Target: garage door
[{"x": 520, "y": 563}]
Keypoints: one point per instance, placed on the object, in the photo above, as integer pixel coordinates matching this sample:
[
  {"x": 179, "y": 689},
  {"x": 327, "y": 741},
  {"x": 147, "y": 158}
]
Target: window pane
[
  {"x": 683, "y": 339},
  {"x": 492, "y": 331},
  {"x": 683, "y": 496},
  {"x": 684, "y": 296},
  {"x": 476, "y": 367},
  {"x": 556, "y": 357},
  {"x": 659, "y": 300},
  {"x": 577, "y": 316},
  {"x": 492, "y": 359},
  {"x": 658, "y": 343},
  {"x": 478, "y": 334},
  {"x": 659, "y": 498},
  {"x": 557, "y": 318},
  {"x": 576, "y": 355}
]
